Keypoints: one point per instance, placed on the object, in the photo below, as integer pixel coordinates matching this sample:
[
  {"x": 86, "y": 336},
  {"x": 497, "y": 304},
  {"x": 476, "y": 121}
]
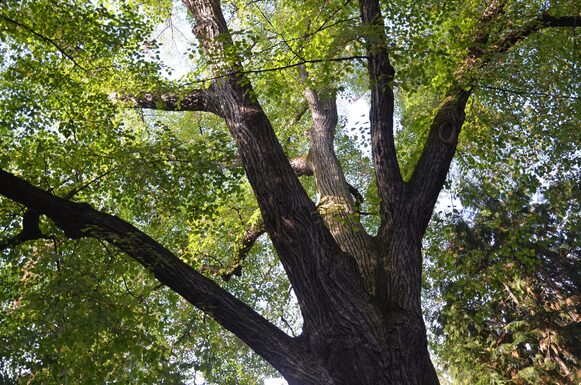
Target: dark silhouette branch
[
  {"x": 81, "y": 220},
  {"x": 356, "y": 195},
  {"x": 559, "y": 21},
  {"x": 78, "y": 189},
  {"x": 30, "y": 231},
  {"x": 303, "y": 62}
]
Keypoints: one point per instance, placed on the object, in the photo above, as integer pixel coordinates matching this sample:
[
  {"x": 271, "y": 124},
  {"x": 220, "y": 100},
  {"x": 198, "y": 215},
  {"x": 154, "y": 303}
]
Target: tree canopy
[{"x": 157, "y": 155}]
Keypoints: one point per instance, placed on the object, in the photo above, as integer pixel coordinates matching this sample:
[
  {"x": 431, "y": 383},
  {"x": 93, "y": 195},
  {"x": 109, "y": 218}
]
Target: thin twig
[
  {"x": 257, "y": 71},
  {"x": 532, "y": 93},
  {"x": 45, "y": 38}
]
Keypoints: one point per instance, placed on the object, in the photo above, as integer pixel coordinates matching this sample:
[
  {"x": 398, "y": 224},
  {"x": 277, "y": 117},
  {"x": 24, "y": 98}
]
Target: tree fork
[
  {"x": 312, "y": 259},
  {"x": 336, "y": 203}
]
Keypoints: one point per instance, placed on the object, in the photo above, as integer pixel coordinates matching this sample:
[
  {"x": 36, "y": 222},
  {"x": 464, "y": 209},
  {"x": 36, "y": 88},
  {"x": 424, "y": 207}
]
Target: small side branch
[
  {"x": 483, "y": 50},
  {"x": 43, "y": 38},
  {"x": 356, "y": 195},
  {"x": 250, "y": 237},
  {"x": 302, "y": 166},
  {"x": 541, "y": 22},
  {"x": 30, "y": 231}
]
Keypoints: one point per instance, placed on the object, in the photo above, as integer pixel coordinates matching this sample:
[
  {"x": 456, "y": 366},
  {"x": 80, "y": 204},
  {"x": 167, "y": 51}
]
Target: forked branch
[
  {"x": 430, "y": 172},
  {"x": 306, "y": 248}
]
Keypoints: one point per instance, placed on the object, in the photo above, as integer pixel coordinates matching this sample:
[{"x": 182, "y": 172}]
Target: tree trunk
[
  {"x": 359, "y": 295},
  {"x": 395, "y": 350}
]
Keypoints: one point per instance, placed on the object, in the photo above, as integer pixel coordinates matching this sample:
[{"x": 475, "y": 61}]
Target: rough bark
[
  {"x": 193, "y": 100},
  {"x": 336, "y": 203},
  {"x": 432, "y": 168},
  {"x": 305, "y": 246},
  {"x": 338, "y": 313},
  {"x": 399, "y": 266},
  {"x": 381, "y": 74}
]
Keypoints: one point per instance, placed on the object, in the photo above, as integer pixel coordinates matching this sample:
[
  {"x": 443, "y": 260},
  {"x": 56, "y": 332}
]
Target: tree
[
  {"x": 358, "y": 293},
  {"x": 501, "y": 278},
  {"x": 523, "y": 327}
]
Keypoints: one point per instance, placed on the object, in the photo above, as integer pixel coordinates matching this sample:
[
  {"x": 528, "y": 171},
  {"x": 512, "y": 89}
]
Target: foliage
[
  {"x": 503, "y": 259},
  {"x": 503, "y": 278},
  {"x": 505, "y": 275},
  {"x": 105, "y": 316}
]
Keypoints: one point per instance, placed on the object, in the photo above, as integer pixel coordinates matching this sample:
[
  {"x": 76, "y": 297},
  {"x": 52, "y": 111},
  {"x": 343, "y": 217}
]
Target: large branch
[
  {"x": 312, "y": 259},
  {"x": 81, "y": 220},
  {"x": 432, "y": 168},
  {"x": 430, "y": 173},
  {"x": 381, "y": 73},
  {"x": 194, "y": 100},
  {"x": 336, "y": 203}
]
